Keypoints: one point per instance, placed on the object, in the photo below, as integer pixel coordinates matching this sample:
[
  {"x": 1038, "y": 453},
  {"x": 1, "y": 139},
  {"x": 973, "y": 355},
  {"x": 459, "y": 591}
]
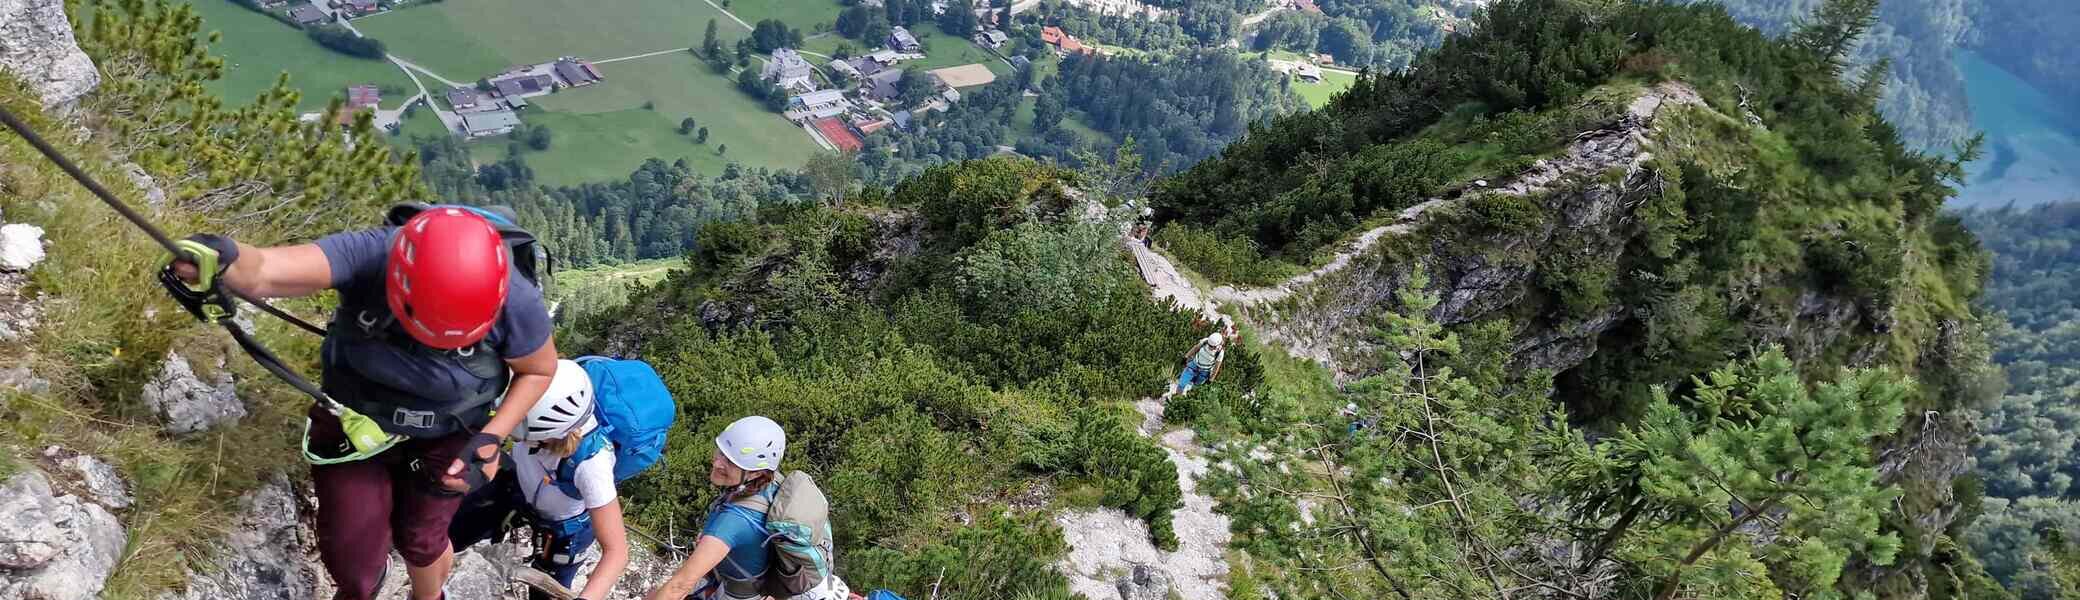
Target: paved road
[{"x": 643, "y": 55}]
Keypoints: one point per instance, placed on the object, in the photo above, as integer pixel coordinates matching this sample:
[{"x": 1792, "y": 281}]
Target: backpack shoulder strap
[{"x": 566, "y": 475}]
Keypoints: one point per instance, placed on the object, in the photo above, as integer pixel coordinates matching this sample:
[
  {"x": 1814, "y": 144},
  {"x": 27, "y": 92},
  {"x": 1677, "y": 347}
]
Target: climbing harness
[{"x": 210, "y": 302}]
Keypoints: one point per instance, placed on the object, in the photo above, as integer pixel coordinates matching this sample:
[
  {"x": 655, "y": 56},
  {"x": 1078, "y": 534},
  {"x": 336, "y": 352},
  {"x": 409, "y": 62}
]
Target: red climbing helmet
[{"x": 446, "y": 277}]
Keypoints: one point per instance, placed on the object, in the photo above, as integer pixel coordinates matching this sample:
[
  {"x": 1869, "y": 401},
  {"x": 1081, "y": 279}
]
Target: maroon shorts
[{"x": 392, "y": 499}]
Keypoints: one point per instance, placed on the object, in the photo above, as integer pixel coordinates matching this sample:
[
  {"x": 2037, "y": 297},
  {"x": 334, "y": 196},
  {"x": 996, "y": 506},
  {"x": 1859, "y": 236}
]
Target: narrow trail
[
  {"x": 1106, "y": 544},
  {"x": 1637, "y": 119}
]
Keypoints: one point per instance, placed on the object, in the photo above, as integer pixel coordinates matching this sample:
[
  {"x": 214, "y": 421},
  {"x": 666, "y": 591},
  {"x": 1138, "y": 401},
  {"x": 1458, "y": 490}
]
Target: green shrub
[
  {"x": 1221, "y": 258},
  {"x": 999, "y": 557}
]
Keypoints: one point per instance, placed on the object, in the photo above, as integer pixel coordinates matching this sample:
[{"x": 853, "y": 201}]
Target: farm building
[
  {"x": 359, "y": 98},
  {"x": 308, "y": 15},
  {"x": 462, "y": 98},
  {"x": 489, "y": 123},
  {"x": 901, "y": 40},
  {"x": 882, "y": 85},
  {"x": 576, "y": 72}
]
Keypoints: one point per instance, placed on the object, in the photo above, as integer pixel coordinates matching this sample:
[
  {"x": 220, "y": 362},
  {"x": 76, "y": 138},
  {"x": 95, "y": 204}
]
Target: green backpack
[{"x": 798, "y": 538}]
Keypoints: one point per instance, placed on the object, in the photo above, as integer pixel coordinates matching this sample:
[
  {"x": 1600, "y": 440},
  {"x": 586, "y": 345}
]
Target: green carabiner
[{"x": 363, "y": 434}]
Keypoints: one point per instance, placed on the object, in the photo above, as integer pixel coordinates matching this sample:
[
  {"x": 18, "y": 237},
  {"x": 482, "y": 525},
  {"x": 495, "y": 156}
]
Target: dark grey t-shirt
[{"x": 357, "y": 259}]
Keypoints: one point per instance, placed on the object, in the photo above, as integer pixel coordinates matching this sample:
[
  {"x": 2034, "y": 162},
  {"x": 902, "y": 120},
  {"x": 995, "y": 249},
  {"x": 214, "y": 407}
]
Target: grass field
[
  {"x": 805, "y": 15},
  {"x": 1317, "y": 95},
  {"x": 947, "y": 51},
  {"x": 1022, "y": 123},
  {"x": 602, "y": 132},
  {"x": 257, "y": 49},
  {"x": 468, "y": 39}
]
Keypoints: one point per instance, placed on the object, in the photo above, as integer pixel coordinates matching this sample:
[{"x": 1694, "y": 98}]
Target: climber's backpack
[
  {"x": 798, "y": 536},
  {"x": 635, "y": 411}
]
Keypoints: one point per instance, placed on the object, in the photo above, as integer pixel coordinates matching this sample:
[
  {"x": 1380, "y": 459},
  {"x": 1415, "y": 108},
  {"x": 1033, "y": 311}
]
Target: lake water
[{"x": 2032, "y": 141}]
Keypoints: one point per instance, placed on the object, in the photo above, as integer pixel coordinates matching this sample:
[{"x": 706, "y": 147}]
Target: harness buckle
[{"x": 421, "y": 419}]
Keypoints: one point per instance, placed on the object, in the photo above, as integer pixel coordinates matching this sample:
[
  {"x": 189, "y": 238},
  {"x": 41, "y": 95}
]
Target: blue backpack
[{"x": 635, "y": 411}]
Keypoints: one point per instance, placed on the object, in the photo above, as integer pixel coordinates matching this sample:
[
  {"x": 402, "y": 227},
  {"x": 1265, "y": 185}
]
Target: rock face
[
  {"x": 1584, "y": 197},
  {"x": 102, "y": 482},
  {"x": 54, "y": 546},
  {"x": 37, "y": 47},
  {"x": 186, "y": 402},
  {"x": 268, "y": 554}
]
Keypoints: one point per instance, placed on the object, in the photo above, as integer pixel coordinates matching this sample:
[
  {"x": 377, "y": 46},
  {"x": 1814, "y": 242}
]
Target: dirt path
[{"x": 1106, "y": 544}]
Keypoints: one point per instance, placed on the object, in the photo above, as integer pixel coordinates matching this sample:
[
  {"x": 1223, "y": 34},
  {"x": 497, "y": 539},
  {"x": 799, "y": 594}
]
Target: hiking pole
[{"x": 157, "y": 235}]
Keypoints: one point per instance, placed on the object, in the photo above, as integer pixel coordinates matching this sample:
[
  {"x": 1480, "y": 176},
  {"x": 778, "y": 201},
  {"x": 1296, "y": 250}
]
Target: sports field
[
  {"x": 257, "y": 49},
  {"x": 943, "y": 51},
  {"x": 965, "y": 75},
  {"x": 468, "y": 39},
  {"x": 603, "y": 131},
  {"x": 1317, "y": 95}
]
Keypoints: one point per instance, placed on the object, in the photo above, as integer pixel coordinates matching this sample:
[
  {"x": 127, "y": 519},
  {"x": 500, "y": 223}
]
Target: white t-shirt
[{"x": 594, "y": 479}]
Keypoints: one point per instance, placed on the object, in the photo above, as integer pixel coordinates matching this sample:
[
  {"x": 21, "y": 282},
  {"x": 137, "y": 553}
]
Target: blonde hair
[{"x": 564, "y": 446}]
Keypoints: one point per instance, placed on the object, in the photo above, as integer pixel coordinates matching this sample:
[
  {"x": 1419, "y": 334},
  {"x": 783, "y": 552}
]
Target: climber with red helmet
[{"x": 437, "y": 326}]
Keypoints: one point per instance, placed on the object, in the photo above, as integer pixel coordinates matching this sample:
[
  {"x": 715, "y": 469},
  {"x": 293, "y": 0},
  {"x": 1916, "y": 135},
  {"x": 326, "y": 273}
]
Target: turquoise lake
[{"x": 2032, "y": 140}]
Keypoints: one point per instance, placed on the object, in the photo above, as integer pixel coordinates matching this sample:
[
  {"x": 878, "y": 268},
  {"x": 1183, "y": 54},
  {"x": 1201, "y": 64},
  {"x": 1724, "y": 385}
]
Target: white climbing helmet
[
  {"x": 565, "y": 407},
  {"x": 1217, "y": 340},
  {"x": 753, "y": 444}
]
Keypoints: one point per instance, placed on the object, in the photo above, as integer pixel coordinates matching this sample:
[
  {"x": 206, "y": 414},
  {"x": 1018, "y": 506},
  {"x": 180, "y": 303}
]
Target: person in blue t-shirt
[{"x": 730, "y": 558}]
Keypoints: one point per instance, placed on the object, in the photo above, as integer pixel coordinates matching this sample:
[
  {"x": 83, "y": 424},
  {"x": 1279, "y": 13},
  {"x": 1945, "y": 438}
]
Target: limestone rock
[
  {"x": 21, "y": 379},
  {"x": 268, "y": 554},
  {"x": 21, "y": 245},
  {"x": 1144, "y": 583},
  {"x": 37, "y": 47},
  {"x": 101, "y": 481},
  {"x": 54, "y": 546},
  {"x": 186, "y": 402}
]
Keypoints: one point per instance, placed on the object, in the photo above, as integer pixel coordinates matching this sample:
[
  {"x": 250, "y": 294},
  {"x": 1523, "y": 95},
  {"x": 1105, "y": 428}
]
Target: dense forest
[
  {"x": 1179, "y": 109},
  {"x": 2029, "y": 452}
]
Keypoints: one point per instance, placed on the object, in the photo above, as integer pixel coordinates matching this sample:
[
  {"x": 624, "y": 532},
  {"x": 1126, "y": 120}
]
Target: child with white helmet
[
  {"x": 1203, "y": 362},
  {"x": 561, "y": 427},
  {"x": 731, "y": 557}
]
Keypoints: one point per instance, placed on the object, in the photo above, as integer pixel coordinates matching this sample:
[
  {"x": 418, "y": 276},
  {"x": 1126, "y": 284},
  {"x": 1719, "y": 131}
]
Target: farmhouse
[
  {"x": 462, "y": 98},
  {"x": 524, "y": 85},
  {"x": 576, "y": 73},
  {"x": 307, "y": 15},
  {"x": 1308, "y": 72},
  {"x": 884, "y": 56},
  {"x": 358, "y": 8},
  {"x": 1064, "y": 44},
  {"x": 789, "y": 70},
  {"x": 359, "y": 98},
  {"x": 489, "y": 123},
  {"x": 882, "y": 85},
  {"x": 901, "y": 40},
  {"x": 843, "y": 68},
  {"x": 992, "y": 38}
]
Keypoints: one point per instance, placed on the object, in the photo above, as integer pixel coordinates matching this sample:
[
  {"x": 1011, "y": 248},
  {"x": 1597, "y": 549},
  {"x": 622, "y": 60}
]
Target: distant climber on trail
[
  {"x": 765, "y": 535},
  {"x": 1203, "y": 362},
  {"x": 438, "y": 324},
  {"x": 564, "y": 525}
]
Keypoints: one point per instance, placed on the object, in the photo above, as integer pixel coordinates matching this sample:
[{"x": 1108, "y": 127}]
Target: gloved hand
[
  {"x": 195, "y": 279},
  {"x": 477, "y": 465}
]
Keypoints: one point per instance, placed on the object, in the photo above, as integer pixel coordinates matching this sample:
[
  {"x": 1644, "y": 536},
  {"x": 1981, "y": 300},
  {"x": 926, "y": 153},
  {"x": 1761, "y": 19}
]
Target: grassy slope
[
  {"x": 602, "y": 131},
  {"x": 467, "y": 39},
  {"x": 804, "y": 15},
  {"x": 1317, "y": 95},
  {"x": 257, "y": 49}
]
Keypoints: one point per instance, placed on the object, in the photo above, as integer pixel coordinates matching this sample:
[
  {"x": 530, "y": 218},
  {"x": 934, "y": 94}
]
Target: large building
[
  {"x": 787, "y": 69},
  {"x": 489, "y": 123},
  {"x": 819, "y": 104}
]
